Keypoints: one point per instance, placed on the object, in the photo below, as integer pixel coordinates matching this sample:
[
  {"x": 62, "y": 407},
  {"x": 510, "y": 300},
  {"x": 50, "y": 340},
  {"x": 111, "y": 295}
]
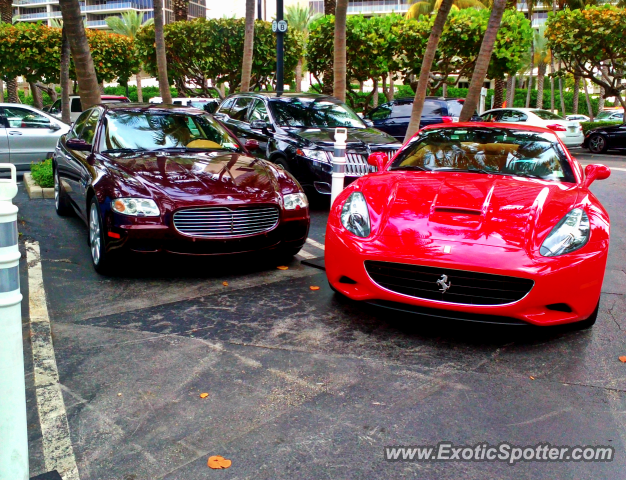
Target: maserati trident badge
[{"x": 444, "y": 284}]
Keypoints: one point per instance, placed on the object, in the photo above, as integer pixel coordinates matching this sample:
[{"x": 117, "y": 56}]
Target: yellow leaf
[
  {"x": 314, "y": 287},
  {"x": 622, "y": 359},
  {"x": 282, "y": 267},
  {"x": 225, "y": 284},
  {"x": 204, "y": 395}
]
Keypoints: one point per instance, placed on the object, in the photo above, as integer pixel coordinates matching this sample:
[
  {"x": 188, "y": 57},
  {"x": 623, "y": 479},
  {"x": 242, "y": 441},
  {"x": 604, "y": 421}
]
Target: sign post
[{"x": 339, "y": 163}]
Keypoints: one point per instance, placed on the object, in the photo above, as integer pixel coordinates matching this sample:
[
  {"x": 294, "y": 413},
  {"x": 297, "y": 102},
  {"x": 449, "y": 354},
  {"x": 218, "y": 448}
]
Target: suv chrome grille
[
  {"x": 224, "y": 222},
  {"x": 356, "y": 165}
]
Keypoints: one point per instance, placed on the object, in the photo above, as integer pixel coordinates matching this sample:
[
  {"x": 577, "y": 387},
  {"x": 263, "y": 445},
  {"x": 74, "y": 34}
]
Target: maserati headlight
[
  {"x": 571, "y": 233},
  {"x": 319, "y": 155},
  {"x": 295, "y": 201},
  {"x": 139, "y": 207},
  {"x": 355, "y": 216}
]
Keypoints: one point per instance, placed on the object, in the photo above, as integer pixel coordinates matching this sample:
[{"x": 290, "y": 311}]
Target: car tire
[
  {"x": 589, "y": 322},
  {"x": 100, "y": 259},
  {"x": 61, "y": 202},
  {"x": 282, "y": 163},
  {"x": 597, "y": 144}
]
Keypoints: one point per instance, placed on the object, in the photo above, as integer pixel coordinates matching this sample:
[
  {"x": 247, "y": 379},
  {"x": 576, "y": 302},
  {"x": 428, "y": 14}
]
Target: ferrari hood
[
  {"x": 487, "y": 209},
  {"x": 357, "y": 137},
  {"x": 203, "y": 176}
]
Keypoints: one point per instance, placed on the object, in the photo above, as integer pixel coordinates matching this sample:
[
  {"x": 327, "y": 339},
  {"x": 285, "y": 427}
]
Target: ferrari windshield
[
  {"x": 127, "y": 130},
  {"x": 312, "y": 112},
  {"x": 499, "y": 151}
]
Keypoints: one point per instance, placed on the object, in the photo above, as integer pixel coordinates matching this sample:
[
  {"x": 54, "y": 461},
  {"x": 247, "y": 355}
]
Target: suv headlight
[
  {"x": 139, "y": 207},
  {"x": 355, "y": 215},
  {"x": 319, "y": 155},
  {"x": 571, "y": 233},
  {"x": 295, "y": 201}
]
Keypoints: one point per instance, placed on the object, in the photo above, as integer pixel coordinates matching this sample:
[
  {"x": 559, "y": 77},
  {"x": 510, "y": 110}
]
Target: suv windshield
[
  {"x": 156, "y": 131},
  {"x": 498, "y": 151},
  {"x": 313, "y": 113}
]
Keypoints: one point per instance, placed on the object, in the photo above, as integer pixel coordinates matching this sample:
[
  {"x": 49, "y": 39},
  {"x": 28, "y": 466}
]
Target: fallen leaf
[
  {"x": 532, "y": 378},
  {"x": 217, "y": 462},
  {"x": 282, "y": 267},
  {"x": 623, "y": 359},
  {"x": 119, "y": 394},
  {"x": 204, "y": 395},
  {"x": 314, "y": 287},
  {"x": 225, "y": 284}
]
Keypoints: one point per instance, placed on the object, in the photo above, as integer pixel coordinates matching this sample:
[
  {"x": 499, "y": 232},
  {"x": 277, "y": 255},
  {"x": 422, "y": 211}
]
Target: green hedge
[
  {"x": 591, "y": 125},
  {"x": 42, "y": 173}
]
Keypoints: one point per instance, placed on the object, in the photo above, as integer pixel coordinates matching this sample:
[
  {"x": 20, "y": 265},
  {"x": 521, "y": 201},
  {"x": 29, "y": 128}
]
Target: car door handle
[{"x": 14, "y": 132}]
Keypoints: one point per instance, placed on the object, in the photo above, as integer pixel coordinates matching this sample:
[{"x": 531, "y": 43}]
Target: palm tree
[
  {"x": 6, "y": 16},
  {"x": 89, "y": 90},
  {"x": 181, "y": 10},
  {"x": 300, "y": 19},
  {"x": 248, "y": 47},
  {"x": 329, "y": 7},
  {"x": 427, "y": 7},
  {"x": 427, "y": 62},
  {"x": 129, "y": 25},
  {"x": 482, "y": 62},
  {"x": 159, "y": 41},
  {"x": 339, "y": 65},
  {"x": 541, "y": 59}
]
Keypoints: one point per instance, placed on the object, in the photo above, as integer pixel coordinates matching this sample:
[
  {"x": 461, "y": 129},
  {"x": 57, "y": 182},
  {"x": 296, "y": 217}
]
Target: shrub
[
  {"x": 591, "y": 125},
  {"x": 42, "y": 173}
]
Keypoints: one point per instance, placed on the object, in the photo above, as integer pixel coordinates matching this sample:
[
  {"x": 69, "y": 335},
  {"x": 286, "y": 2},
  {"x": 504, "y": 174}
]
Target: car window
[
  {"x": 240, "y": 109},
  {"x": 24, "y": 118},
  {"x": 499, "y": 151},
  {"x": 510, "y": 116},
  {"x": 455, "y": 107},
  {"x": 76, "y": 106},
  {"x": 314, "y": 112},
  {"x": 489, "y": 116},
  {"x": 89, "y": 129},
  {"x": 434, "y": 108},
  {"x": 78, "y": 125},
  {"x": 56, "y": 107},
  {"x": 381, "y": 113},
  {"x": 259, "y": 112},
  {"x": 402, "y": 110},
  {"x": 545, "y": 115},
  {"x": 226, "y": 107}
]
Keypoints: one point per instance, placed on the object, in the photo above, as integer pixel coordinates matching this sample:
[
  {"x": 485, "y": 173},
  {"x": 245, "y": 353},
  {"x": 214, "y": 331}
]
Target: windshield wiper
[
  {"x": 412, "y": 167},
  {"x": 482, "y": 170},
  {"x": 124, "y": 150},
  {"x": 527, "y": 175}
]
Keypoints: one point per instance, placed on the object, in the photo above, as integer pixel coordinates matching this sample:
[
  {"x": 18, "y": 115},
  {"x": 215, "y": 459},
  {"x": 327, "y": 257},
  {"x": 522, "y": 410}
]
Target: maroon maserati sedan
[{"x": 156, "y": 178}]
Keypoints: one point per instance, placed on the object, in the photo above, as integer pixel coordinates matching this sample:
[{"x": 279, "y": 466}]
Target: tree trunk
[
  {"x": 36, "y": 93},
  {"x": 561, "y": 93},
  {"x": 498, "y": 93},
  {"x": 299, "y": 75},
  {"x": 79, "y": 46},
  {"x": 589, "y": 107},
  {"x": 482, "y": 62},
  {"x": 427, "y": 62},
  {"x": 159, "y": 40},
  {"x": 529, "y": 87},
  {"x": 6, "y": 15},
  {"x": 139, "y": 89},
  {"x": 248, "y": 46},
  {"x": 541, "y": 77},
  {"x": 65, "y": 77},
  {"x": 375, "y": 94},
  {"x": 329, "y": 7},
  {"x": 12, "y": 95},
  {"x": 510, "y": 91},
  {"x": 576, "y": 93},
  {"x": 339, "y": 64},
  {"x": 605, "y": 73},
  {"x": 551, "y": 83},
  {"x": 181, "y": 9},
  {"x": 1, "y": 91},
  {"x": 390, "y": 91}
]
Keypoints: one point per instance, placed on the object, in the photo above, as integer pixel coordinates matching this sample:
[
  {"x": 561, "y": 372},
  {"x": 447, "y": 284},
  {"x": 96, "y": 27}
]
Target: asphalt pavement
[{"x": 302, "y": 383}]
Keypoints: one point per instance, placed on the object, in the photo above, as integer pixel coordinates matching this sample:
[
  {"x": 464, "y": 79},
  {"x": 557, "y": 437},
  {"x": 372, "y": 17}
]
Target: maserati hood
[
  {"x": 197, "y": 177},
  {"x": 357, "y": 137},
  {"x": 475, "y": 208}
]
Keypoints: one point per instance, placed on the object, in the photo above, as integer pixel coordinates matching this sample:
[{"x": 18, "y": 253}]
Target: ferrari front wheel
[{"x": 589, "y": 322}]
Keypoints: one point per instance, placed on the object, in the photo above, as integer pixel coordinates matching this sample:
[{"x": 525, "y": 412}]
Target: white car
[
  {"x": 570, "y": 132},
  {"x": 76, "y": 107},
  {"x": 206, "y": 104},
  {"x": 578, "y": 118},
  {"x": 610, "y": 116}
]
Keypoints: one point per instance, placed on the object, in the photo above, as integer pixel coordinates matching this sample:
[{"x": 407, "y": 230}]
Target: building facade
[{"x": 96, "y": 11}]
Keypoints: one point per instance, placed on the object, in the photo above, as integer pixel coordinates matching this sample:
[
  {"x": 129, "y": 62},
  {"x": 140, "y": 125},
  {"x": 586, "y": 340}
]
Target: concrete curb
[{"x": 34, "y": 190}]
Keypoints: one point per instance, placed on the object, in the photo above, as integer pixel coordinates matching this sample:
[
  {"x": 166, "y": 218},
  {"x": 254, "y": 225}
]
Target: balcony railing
[
  {"x": 18, "y": 3},
  {"x": 28, "y": 16},
  {"x": 111, "y": 6}
]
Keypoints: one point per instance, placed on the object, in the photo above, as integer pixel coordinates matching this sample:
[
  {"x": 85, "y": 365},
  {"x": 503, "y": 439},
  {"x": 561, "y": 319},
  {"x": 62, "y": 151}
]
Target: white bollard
[
  {"x": 13, "y": 434},
  {"x": 339, "y": 163}
]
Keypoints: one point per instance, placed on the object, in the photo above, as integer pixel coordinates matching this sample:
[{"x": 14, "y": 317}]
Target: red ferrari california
[{"x": 482, "y": 222}]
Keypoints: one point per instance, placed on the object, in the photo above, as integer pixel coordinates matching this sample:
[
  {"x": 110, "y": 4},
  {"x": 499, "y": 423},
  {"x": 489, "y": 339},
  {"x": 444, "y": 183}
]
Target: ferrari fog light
[
  {"x": 355, "y": 216},
  {"x": 139, "y": 207},
  {"x": 295, "y": 201},
  {"x": 571, "y": 233}
]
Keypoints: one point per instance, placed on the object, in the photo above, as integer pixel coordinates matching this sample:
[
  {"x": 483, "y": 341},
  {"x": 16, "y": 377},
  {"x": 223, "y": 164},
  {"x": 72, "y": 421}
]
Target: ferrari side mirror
[
  {"x": 378, "y": 160},
  {"x": 595, "y": 172}
]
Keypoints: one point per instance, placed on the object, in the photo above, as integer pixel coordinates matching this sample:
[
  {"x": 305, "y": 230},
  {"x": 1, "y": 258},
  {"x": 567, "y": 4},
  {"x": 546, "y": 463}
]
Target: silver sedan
[{"x": 27, "y": 134}]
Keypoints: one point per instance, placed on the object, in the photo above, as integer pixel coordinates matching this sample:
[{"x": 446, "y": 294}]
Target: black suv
[
  {"x": 394, "y": 117},
  {"x": 297, "y": 130}
]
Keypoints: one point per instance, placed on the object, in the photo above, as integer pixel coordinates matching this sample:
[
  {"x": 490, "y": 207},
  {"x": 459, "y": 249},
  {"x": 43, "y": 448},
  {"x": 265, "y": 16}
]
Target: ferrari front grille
[
  {"x": 448, "y": 285},
  {"x": 224, "y": 222}
]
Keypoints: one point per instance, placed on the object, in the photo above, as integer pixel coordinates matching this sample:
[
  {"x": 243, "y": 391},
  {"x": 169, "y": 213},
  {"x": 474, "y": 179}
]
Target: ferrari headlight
[
  {"x": 355, "y": 216},
  {"x": 571, "y": 233},
  {"x": 139, "y": 207},
  {"x": 295, "y": 201},
  {"x": 319, "y": 155}
]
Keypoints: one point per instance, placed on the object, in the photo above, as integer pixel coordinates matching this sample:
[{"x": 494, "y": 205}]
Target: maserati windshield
[
  {"x": 495, "y": 151},
  {"x": 127, "y": 131}
]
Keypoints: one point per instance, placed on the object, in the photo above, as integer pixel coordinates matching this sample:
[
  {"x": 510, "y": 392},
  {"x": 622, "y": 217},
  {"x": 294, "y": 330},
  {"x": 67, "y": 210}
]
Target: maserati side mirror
[{"x": 78, "y": 145}]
